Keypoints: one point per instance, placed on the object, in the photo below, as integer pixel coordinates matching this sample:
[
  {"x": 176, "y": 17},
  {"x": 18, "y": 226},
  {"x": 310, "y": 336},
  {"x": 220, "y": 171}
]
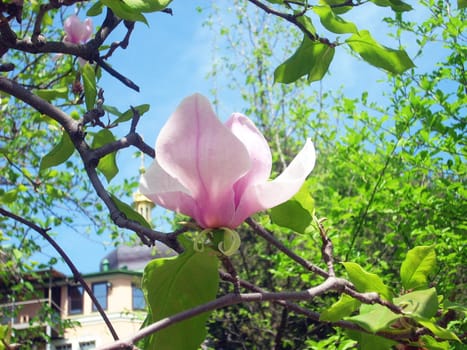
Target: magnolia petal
[
  {"x": 258, "y": 149},
  {"x": 195, "y": 148},
  {"x": 166, "y": 191},
  {"x": 269, "y": 194}
]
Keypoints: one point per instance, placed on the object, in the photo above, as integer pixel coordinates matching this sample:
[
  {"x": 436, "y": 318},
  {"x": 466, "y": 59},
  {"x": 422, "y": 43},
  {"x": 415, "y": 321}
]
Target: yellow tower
[{"x": 143, "y": 204}]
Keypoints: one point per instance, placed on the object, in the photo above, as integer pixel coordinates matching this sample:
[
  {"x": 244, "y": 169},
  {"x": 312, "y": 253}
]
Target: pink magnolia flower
[
  {"x": 77, "y": 32},
  {"x": 218, "y": 173}
]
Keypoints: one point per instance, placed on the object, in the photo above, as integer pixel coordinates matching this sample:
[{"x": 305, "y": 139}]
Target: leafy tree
[{"x": 351, "y": 259}]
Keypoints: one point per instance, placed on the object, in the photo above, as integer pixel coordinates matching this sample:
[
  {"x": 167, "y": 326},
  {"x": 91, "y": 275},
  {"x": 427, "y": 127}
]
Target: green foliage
[
  {"x": 89, "y": 84},
  {"x": 311, "y": 59},
  {"x": 366, "y": 282},
  {"x": 173, "y": 285},
  {"x": 132, "y": 9},
  {"x": 129, "y": 212},
  {"x": 108, "y": 164},
  {"x": 297, "y": 213},
  {"x": 393, "y": 61},
  {"x": 419, "y": 263},
  {"x": 59, "y": 154},
  {"x": 333, "y": 22}
]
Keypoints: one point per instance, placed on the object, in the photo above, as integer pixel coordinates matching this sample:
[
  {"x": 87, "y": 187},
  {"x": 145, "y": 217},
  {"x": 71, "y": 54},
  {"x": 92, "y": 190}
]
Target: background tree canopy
[{"x": 382, "y": 212}]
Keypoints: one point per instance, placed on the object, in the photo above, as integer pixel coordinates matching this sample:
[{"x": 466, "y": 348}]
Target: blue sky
[{"x": 170, "y": 60}]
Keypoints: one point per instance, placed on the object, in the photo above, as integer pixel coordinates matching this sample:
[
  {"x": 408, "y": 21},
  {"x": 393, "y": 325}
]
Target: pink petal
[
  {"x": 258, "y": 149},
  {"x": 285, "y": 186},
  {"x": 166, "y": 191},
  {"x": 195, "y": 148}
]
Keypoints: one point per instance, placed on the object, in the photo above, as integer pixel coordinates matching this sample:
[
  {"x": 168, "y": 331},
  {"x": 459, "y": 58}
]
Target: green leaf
[
  {"x": 461, "y": 4},
  {"x": 432, "y": 344},
  {"x": 417, "y": 266},
  {"x": 296, "y": 213},
  {"x": 337, "y": 6},
  {"x": 437, "y": 330},
  {"x": 367, "y": 282},
  {"x": 52, "y": 94},
  {"x": 122, "y": 10},
  {"x": 95, "y": 9},
  {"x": 112, "y": 110},
  {"x": 332, "y": 22},
  {"x": 147, "y": 5},
  {"x": 394, "y": 61},
  {"x": 311, "y": 58},
  {"x": 307, "y": 23},
  {"x": 396, "y": 5},
  {"x": 371, "y": 342},
  {"x": 107, "y": 165},
  {"x": 422, "y": 303},
  {"x": 173, "y": 285},
  {"x": 129, "y": 212},
  {"x": 129, "y": 113},
  {"x": 59, "y": 154},
  {"x": 374, "y": 318},
  {"x": 340, "y": 309},
  {"x": 89, "y": 84}
]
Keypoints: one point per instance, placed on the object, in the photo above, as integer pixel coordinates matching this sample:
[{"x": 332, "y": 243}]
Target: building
[{"x": 116, "y": 285}]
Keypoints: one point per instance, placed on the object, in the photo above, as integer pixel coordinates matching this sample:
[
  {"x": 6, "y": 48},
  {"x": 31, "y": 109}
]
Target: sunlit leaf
[
  {"x": 374, "y": 317},
  {"x": 433, "y": 344},
  {"x": 311, "y": 59},
  {"x": 461, "y": 4},
  {"x": 59, "y": 154},
  {"x": 129, "y": 212},
  {"x": 438, "y": 331},
  {"x": 333, "y": 22},
  {"x": 95, "y": 9},
  {"x": 394, "y": 61},
  {"x": 340, "y": 309},
  {"x": 89, "y": 84},
  {"x": 129, "y": 113},
  {"x": 396, "y": 5},
  {"x": 173, "y": 285},
  {"x": 423, "y": 303},
  {"x": 417, "y": 266},
  {"x": 52, "y": 94},
  {"x": 365, "y": 281},
  {"x": 371, "y": 342},
  {"x": 296, "y": 213},
  {"x": 107, "y": 165}
]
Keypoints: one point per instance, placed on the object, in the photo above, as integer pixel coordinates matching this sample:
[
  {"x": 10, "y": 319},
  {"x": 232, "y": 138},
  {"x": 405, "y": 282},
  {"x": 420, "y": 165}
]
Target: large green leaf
[
  {"x": 422, "y": 303},
  {"x": 371, "y": 342},
  {"x": 129, "y": 212},
  {"x": 461, "y": 4},
  {"x": 173, "y": 285},
  {"x": 418, "y": 264},
  {"x": 365, "y": 281},
  {"x": 89, "y": 84},
  {"x": 394, "y": 61},
  {"x": 340, "y": 309},
  {"x": 52, "y": 94},
  {"x": 396, "y": 5},
  {"x": 59, "y": 154},
  {"x": 311, "y": 58},
  {"x": 374, "y": 318},
  {"x": 296, "y": 213},
  {"x": 333, "y": 22},
  {"x": 108, "y": 164}
]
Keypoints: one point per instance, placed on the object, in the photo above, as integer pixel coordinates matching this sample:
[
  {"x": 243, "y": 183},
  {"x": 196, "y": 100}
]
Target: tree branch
[{"x": 76, "y": 274}]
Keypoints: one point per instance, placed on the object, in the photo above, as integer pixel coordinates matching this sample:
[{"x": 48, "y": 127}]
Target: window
[
  {"x": 138, "y": 298},
  {"x": 87, "y": 345},
  {"x": 75, "y": 300},
  {"x": 63, "y": 347},
  {"x": 100, "y": 291}
]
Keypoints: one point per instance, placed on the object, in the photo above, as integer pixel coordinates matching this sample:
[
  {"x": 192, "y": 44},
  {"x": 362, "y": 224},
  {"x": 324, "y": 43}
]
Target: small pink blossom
[
  {"x": 77, "y": 32},
  {"x": 218, "y": 173}
]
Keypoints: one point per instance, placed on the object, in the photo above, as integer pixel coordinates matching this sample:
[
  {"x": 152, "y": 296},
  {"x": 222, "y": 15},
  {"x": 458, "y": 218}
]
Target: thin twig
[{"x": 261, "y": 231}]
